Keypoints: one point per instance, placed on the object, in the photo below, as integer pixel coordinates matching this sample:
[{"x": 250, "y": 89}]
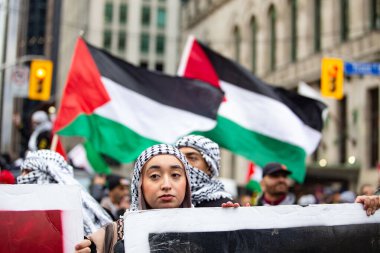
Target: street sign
[
  {"x": 20, "y": 81},
  {"x": 332, "y": 78},
  {"x": 361, "y": 68}
]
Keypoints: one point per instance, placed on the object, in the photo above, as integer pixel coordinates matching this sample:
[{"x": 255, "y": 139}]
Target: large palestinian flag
[
  {"x": 122, "y": 109},
  {"x": 261, "y": 122}
]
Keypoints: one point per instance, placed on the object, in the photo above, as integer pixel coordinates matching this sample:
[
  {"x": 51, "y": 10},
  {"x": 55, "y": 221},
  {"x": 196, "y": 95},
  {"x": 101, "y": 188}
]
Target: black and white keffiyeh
[
  {"x": 209, "y": 150},
  {"x": 49, "y": 167},
  {"x": 203, "y": 186},
  {"x": 137, "y": 200}
]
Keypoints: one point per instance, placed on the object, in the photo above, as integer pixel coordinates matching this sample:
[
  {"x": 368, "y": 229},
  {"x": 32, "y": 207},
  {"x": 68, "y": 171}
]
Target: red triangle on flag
[
  {"x": 250, "y": 171},
  {"x": 199, "y": 67},
  {"x": 84, "y": 90}
]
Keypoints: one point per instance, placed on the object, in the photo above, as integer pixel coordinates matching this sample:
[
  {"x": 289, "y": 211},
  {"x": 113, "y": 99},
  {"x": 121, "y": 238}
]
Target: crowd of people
[{"x": 184, "y": 175}]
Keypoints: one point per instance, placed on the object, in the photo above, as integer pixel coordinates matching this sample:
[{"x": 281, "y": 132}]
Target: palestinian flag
[
  {"x": 122, "y": 109},
  {"x": 86, "y": 157},
  {"x": 253, "y": 177},
  {"x": 261, "y": 122}
]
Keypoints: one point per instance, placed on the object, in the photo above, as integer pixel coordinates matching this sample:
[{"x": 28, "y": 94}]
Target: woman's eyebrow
[
  {"x": 176, "y": 166},
  {"x": 154, "y": 167}
]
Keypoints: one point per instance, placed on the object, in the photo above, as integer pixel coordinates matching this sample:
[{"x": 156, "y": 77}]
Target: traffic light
[
  {"x": 41, "y": 72},
  {"x": 332, "y": 78}
]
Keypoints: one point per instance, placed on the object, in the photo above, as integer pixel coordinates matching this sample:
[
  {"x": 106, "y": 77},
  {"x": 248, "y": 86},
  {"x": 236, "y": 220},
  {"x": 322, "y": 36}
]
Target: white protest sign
[
  {"x": 40, "y": 218},
  {"x": 320, "y": 228}
]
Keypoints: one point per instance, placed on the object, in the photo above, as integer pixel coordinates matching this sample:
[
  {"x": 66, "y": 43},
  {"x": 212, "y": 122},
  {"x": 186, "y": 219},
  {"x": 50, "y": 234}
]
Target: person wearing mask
[
  {"x": 204, "y": 156},
  {"x": 275, "y": 186},
  {"x": 49, "y": 167}
]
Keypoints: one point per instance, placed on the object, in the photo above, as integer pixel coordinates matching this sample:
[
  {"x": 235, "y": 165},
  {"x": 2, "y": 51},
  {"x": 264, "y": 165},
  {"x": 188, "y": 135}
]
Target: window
[
  {"x": 344, "y": 19},
  {"x": 108, "y": 12},
  {"x": 253, "y": 44},
  {"x": 373, "y": 100},
  {"x": 123, "y": 13},
  {"x": 272, "y": 37},
  {"x": 107, "y": 39},
  {"x": 144, "y": 43},
  {"x": 342, "y": 129},
  {"x": 293, "y": 27},
  {"x": 160, "y": 44},
  {"x": 159, "y": 66},
  {"x": 144, "y": 64},
  {"x": 237, "y": 43},
  {"x": 161, "y": 18},
  {"x": 317, "y": 25},
  {"x": 375, "y": 14},
  {"x": 145, "y": 17},
  {"x": 121, "y": 41}
]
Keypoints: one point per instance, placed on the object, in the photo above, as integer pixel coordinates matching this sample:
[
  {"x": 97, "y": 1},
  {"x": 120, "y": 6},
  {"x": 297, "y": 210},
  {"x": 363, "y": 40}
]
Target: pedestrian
[
  {"x": 275, "y": 186},
  {"x": 118, "y": 190},
  {"x": 49, "y": 167},
  {"x": 41, "y": 135},
  {"x": 204, "y": 156}
]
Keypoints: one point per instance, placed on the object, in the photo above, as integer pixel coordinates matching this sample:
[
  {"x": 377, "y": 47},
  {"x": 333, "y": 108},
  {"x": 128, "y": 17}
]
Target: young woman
[
  {"x": 48, "y": 167},
  {"x": 160, "y": 180}
]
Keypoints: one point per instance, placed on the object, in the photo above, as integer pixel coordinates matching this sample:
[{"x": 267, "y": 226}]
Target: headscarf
[
  {"x": 43, "y": 125},
  {"x": 137, "y": 200},
  {"x": 49, "y": 167},
  {"x": 203, "y": 186}
]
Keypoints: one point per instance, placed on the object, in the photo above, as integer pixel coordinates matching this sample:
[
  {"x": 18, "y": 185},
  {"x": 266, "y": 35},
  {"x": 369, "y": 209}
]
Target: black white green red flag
[
  {"x": 122, "y": 109},
  {"x": 259, "y": 121}
]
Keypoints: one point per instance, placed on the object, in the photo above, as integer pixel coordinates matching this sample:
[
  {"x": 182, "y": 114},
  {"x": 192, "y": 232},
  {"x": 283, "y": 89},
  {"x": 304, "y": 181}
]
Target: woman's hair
[{"x": 137, "y": 200}]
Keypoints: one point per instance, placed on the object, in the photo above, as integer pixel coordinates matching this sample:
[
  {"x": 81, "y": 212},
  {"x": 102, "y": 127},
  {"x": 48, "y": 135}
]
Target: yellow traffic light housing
[
  {"x": 41, "y": 72},
  {"x": 332, "y": 78}
]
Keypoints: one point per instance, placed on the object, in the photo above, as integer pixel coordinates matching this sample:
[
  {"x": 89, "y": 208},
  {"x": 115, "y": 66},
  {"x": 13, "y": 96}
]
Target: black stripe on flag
[
  {"x": 182, "y": 93},
  {"x": 343, "y": 238},
  {"x": 307, "y": 109}
]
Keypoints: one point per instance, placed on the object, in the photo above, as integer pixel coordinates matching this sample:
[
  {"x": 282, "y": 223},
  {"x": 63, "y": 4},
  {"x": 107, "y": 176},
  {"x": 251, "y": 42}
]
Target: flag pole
[{"x": 54, "y": 143}]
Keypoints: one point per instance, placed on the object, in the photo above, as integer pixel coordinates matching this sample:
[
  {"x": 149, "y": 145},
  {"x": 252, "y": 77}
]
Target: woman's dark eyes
[{"x": 154, "y": 176}]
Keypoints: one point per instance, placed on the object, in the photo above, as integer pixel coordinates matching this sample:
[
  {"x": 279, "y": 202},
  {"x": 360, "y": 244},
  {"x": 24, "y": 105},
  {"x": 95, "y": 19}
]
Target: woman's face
[{"x": 164, "y": 182}]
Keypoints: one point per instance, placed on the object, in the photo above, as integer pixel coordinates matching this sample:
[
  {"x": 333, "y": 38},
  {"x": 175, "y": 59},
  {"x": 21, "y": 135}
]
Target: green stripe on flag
[
  {"x": 108, "y": 137},
  {"x": 96, "y": 160},
  {"x": 257, "y": 147}
]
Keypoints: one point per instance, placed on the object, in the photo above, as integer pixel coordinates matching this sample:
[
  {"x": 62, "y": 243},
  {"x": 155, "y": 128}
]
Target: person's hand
[
  {"x": 100, "y": 179},
  {"x": 230, "y": 204},
  {"x": 370, "y": 203},
  {"x": 83, "y": 246}
]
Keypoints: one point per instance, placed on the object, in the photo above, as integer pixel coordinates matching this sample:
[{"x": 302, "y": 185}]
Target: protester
[
  {"x": 118, "y": 191},
  {"x": 275, "y": 186},
  {"x": 49, "y": 167},
  {"x": 41, "y": 135},
  {"x": 160, "y": 180},
  {"x": 367, "y": 189},
  {"x": 204, "y": 156},
  {"x": 98, "y": 188}
]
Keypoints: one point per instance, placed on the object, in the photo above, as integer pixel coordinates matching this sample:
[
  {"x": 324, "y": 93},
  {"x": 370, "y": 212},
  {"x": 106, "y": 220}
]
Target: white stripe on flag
[
  {"x": 149, "y": 118},
  {"x": 267, "y": 116}
]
